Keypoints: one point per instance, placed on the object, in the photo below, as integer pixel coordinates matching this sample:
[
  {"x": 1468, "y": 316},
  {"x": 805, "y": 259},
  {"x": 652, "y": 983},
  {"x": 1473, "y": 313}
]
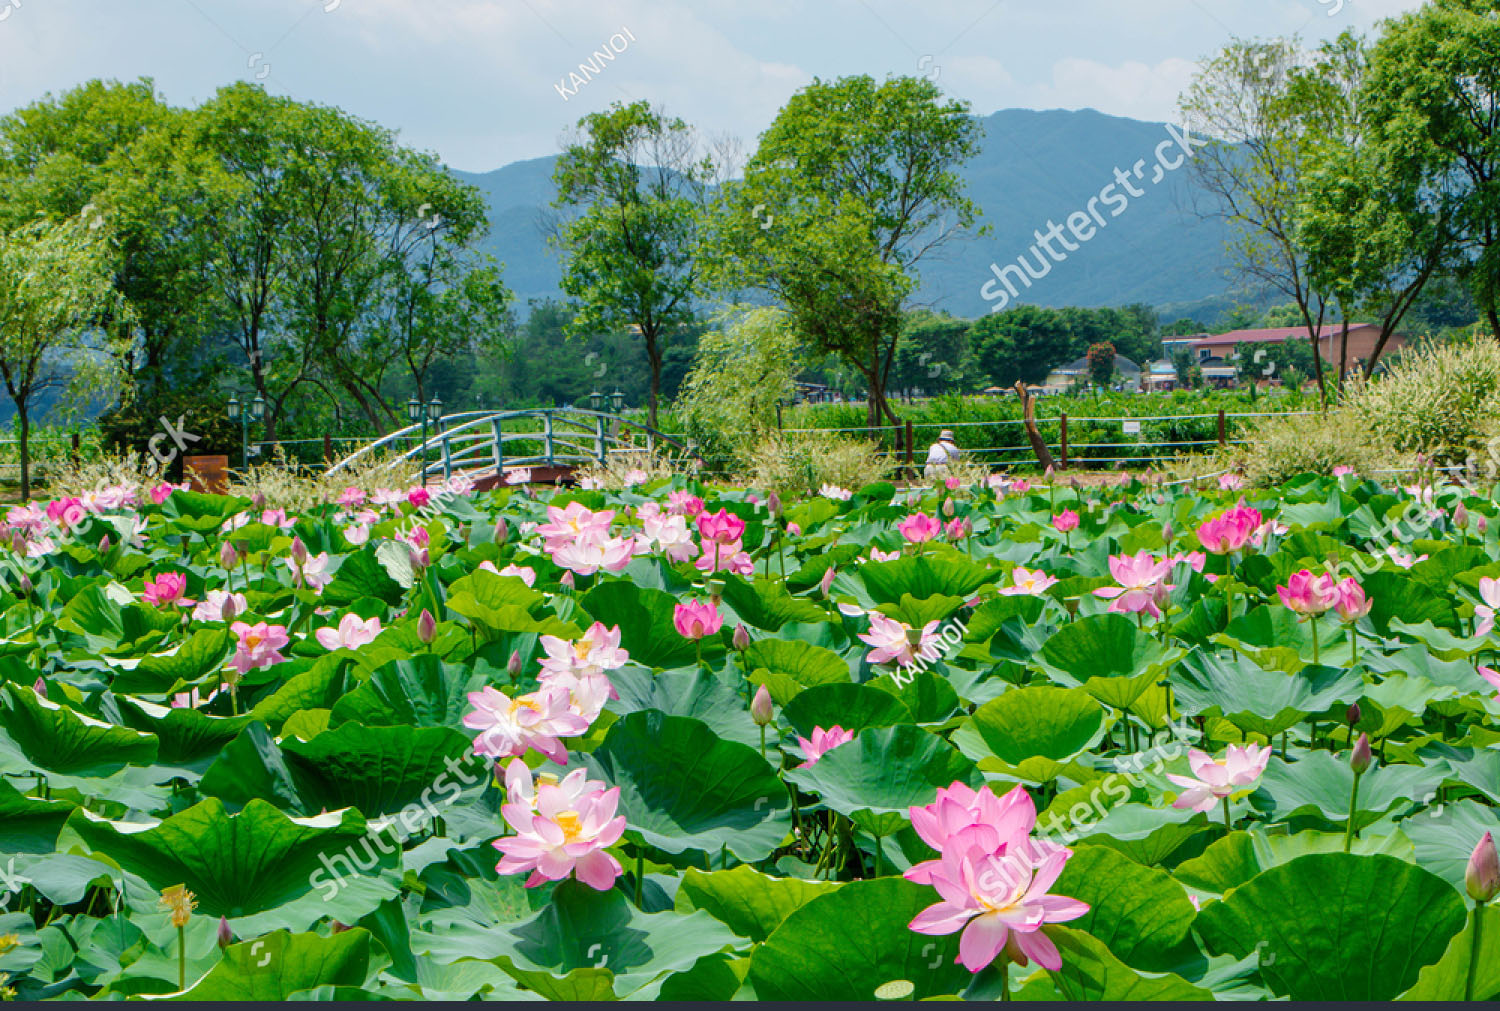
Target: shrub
[
  {"x": 798, "y": 464},
  {"x": 1439, "y": 399},
  {"x": 1279, "y": 448}
]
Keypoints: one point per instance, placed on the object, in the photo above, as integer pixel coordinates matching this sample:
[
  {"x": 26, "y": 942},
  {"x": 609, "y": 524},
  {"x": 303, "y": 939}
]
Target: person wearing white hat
[{"x": 940, "y": 454}]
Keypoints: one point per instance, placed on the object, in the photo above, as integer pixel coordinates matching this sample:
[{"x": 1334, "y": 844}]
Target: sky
[{"x": 484, "y": 83}]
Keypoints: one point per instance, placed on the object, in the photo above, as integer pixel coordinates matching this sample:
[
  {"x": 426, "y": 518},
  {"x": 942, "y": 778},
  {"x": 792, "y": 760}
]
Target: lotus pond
[{"x": 684, "y": 742}]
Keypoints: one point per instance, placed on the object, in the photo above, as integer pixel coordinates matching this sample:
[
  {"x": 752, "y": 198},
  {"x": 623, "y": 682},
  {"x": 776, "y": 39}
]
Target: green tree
[
  {"x": 56, "y": 286},
  {"x": 933, "y": 355},
  {"x": 1101, "y": 359},
  {"x": 1433, "y": 102},
  {"x": 1253, "y": 112},
  {"x": 745, "y": 364},
  {"x": 850, "y": 187},
  {"x": 1021, "y": 344},
  {"x": 630, "y": 257}
]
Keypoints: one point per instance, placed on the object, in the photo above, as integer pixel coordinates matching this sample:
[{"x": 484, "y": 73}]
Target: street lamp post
[
  {"x": 414, "y": 414},
  {"x": 238, "y": 412},
  {"x": 434, "y": 415}
]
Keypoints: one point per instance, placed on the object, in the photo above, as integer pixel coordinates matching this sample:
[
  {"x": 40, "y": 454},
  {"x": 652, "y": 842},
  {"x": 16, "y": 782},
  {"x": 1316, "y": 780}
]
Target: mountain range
[{"x": 1034, "y": 168}]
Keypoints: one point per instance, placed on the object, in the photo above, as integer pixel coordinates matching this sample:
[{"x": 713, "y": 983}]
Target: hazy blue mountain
[{"x": 1034, "y": 167}]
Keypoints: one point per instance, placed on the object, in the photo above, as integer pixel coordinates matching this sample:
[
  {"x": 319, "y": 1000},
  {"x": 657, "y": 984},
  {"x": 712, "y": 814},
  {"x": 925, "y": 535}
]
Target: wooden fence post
[
  {"x": 908, "y": 447},
  {"x": 1222, "y": 441},
  {"x": 327, "y": 448},
  {"x": 1062, "y": 422},
  {"x": 75, "y": 447}
]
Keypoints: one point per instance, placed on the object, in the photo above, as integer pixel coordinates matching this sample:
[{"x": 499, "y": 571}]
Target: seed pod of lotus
[
  {"x": 1360, "y": 759},
  {"x": 760, "y": 707}
]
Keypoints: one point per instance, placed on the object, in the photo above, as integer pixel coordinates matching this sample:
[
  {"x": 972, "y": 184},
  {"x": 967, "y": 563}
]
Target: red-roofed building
[{"x": 1362, "y": 338}]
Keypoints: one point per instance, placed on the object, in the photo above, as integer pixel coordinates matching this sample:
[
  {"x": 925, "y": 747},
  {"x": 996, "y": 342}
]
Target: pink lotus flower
[
  {"x": 351, "y": 633},
  {"x": 729, "y": 557},
  {"x": 67, "y": 512},
  {"x": 561, "y": 829},
  {"x": 166, "y": 588},
  {"x": 958, "y": 528},
  {"x": 592, "y": 551},
  {"x": 191, "y": 699},
  {"x": 387, "y": 496},
  {"x": 521, "y": 475},
  {"x": 1342, "y": 469},
  {"x": 1065, "y": 521},
  {"x": 795, "y": 530},
  {"x": 919, "y": 527},
  {"x": 351, "y": 497},
  {"x": 695, "y": 619},
  {"x": 1231, "y": 482},
  {"x": 311, "y": 572},
  {"x": 669, "y": 535},
  {"x": 160, "y": 493},
  {"x": 1240, "y": 767},
  {"x": 953, "y": 483},
  {"x": 418, "y": 496},
  {"x": 836, "y": 493},
  {"x": 1141, "y": 588},
  {"x": 523, "y": 573},
  {"x": 257, "y": 645},
  {"x": 1489, "y": 592},
  {"x": 961, "y": 818},
  {"x": 1000, "y": 902},
  {"x": 511, "y": 726},
  {"x": 876, "y": 555},
  {"x": 1404, "y": 559},
  {"x": 1033, "y": 582},
  {"x": 683, "y": 503},
  {"x": 1308, "y": 594},
  {"x": 1021, "y": 486},
  {"x": 220, "y": 605},
  {"x": 568, "y": 524},
  {"x": 579, "y": 667},
  {"x": 890, "y": 641},
  {"x": 1492, "y": 676},
  {"x": 1351, "y": 602},
  {"x": 823, "y": 741},
  {"x": 722, "y": 527},
  {"x": 277, "y": 518},
  {"x": 1229, "y": 532}
]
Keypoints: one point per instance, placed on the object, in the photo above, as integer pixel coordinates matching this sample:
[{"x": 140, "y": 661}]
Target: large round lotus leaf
[
  {"x": 1108, "y": 653},
  {"x": 842, "y": 945},
  {"x": 40, "y": 734},
  {"x": 1091, "y": 972},
  {"x": 1445, "y": 836},
  {"x": 275, "y": 967},
  {"x": 647, "y": 631},
  {"x": 884, "y": 771},
  {"x": 1044, "y": 721},
  {"x": 751, "y": 903},
  {"x": 803, "y": 662},
  {"x": 1260, "y": 701},
  {"x": 1336, "y": 926},
  {"x": 1140, "y": 913},
  {"x": 853, "y": 707},
  {"x": 1321, "y": 783},
  {"x": 924, "y": 576},
  {"x": 376, "y": 770},
  {"x": 692, "y": 692},
  {"x": 683, "y": 788},
  {"x": 420, "y": 690},
  {"x": 254, "y": 862}
]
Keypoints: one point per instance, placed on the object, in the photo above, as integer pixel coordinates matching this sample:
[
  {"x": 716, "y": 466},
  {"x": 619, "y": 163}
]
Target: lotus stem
[
  {"x": 640, "y": 876},
  {"x": 1312, "y": 623},
  {"x": 1474, "y": 951},
  {"x": 1353, "y": 808},
  {"x": 181, "y": 958},
  {"x": 1228, "y": 824},
  {"x": 762, "y": 741},
  {"x": 1353, "y": 647}
]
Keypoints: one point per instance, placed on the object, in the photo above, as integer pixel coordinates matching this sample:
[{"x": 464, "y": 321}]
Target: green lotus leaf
[
  {"x": 752, "y": 904},
  {"x": 853, "y": 707},
  {"x": 1336, "y": 926},
  {"x": 282, "y": 964},
  {"x": 682, "y": 788},
  {"x": 764, "y": 604},
  {"x": 647, "y": 630}
]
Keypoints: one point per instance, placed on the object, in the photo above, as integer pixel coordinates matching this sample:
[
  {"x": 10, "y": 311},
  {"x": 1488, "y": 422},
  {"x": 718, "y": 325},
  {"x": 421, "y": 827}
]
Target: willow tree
[
  {"x": 56, "y": 287},
  {"x": 850, "y": 187}
]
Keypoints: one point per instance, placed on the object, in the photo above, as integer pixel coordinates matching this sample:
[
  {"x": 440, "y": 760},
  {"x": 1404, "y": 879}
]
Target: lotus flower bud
[
  {"x": 760, "y": 707},
  {"x": 1166, "y": 533},
  {"x": 1482, "y": 876},
  {"x": 25, "y": 583},
  {"x": 104, "y": 545},
  {"x": 228, "y": 557},
  {"x": 40, "y": 687},
  {"x": 299, "y": 550},
  {"x": 1352, "y": 714},
  {"x": 826, "y": 583},
  {"x": 502, "y": 531},
  {"x": 426, "y": 627},
  {"x": 513, "y": 665},
  {"x": 795, "y": 529},
  {"x": 1461, "y": 517},
  {"x": 258, "y": 501},
  {"x": 948, "y": 508},
  {"x": 773, "y": 504},
  {"x": 568, "y": 582},
  {"x": 1360, "y": 759},
  {"x": 338, "y": 928},
  {"x": 229, "y": 610},
  {"x": 1481, "y": 524},
  {"x": 226, "y": 936},
  {"x": 741, "y": 637}
]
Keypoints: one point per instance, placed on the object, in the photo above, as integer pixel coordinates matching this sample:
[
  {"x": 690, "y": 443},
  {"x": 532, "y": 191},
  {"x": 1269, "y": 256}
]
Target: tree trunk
[
  {"x": 1343, "y": 355},
  {"x": 653, "y": 356},
  {"x": 24, "y": 427},
  {"x": 1028, "y": 413}
]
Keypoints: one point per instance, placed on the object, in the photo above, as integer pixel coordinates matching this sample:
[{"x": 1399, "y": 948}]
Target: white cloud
[{"x": 1132, "y": 89}]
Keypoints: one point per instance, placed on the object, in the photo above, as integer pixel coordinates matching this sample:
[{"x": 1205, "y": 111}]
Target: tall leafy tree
[
  {"x": 1262, "y": 135},
  {"x": 1434, "y": 109},
  {"x": 56, "y": 288},
  {"x": 635, "y": 179},
  {"x": 850, "y": 187}
]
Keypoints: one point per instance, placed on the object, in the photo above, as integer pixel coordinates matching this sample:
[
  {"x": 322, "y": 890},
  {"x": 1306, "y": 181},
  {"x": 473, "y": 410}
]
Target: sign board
[
  {"x": 1132, "y": 428},
  {"x": 207, "y": 474}
]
